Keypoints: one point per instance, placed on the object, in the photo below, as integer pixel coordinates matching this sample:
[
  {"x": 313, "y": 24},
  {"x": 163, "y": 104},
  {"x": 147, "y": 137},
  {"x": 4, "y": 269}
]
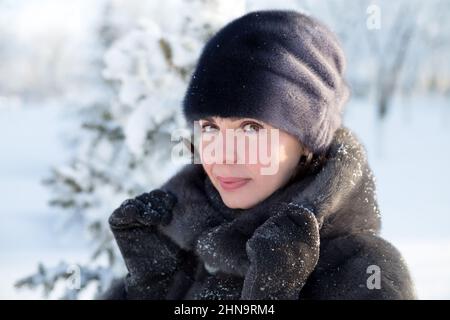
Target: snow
[
  {"x": 30, "y": 232},
  {"x": 409, "y": 154}
]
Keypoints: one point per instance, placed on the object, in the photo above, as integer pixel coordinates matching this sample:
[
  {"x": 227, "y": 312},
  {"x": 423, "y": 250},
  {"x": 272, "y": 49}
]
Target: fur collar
[{"x": 341, "y": 195}]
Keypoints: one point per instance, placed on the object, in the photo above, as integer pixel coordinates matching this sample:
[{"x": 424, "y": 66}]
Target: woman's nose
[{"x": 229, "y": 151}]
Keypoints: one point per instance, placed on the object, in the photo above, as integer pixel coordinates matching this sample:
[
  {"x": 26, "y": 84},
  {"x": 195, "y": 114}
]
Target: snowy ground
[{"x": 409, "y": 156}]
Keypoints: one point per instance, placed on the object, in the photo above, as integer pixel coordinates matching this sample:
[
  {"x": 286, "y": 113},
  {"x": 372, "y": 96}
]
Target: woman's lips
[{"x": 232, "y": 183}]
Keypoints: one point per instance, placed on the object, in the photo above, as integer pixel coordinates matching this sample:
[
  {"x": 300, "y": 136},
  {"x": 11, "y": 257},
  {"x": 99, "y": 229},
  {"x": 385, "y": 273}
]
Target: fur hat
[{"x": 278, "y": 66}]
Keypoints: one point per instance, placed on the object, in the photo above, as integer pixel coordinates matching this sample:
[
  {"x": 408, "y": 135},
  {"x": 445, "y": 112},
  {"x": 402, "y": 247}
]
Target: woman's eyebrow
[
  {"x": 233, "y": 119},
  {"x": 210, "y": 119},
  {"x": 251, "y": 120},
  {"x": 236, "y": 119}
]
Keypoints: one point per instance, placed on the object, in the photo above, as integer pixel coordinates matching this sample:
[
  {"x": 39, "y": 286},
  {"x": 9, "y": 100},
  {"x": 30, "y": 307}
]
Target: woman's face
[{"x": 246, "y": 159}]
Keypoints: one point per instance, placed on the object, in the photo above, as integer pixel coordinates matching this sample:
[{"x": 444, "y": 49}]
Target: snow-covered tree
[{"x": 124, "y": 145}]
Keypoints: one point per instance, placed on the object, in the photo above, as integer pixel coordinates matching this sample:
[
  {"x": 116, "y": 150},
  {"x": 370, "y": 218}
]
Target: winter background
[{"x": 90, "y": 91}]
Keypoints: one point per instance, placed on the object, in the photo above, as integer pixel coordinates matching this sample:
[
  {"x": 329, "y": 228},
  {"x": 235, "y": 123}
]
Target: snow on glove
[
  {"x": 148, "y": 209},
  {"x": 283, "y": 252},
  {"x": 151, "y": 257}
]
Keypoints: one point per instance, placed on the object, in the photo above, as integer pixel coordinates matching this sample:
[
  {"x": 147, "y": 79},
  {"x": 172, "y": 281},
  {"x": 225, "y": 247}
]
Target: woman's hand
[
  {"x": 151, "y": 257},
  {"x": 282, "y": 252},
  {"x": 148, "y": 209}
]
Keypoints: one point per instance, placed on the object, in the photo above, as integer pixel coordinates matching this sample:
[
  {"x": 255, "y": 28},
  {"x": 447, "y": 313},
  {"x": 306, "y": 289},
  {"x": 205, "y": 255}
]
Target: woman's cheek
[
  {"x": 259, "y": 180},
  {"x": 207, "y": 168}
]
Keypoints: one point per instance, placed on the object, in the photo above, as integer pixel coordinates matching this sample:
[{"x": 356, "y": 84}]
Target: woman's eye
[
  {"x": 208, "y": 128},
  {"x": 251, "y": 127}
]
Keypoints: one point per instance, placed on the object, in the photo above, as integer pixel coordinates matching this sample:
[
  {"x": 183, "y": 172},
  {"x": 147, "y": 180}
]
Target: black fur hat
[{"x": 279, "y": 66}]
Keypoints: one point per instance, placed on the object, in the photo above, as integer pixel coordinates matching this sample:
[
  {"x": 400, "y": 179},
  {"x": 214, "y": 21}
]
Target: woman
[{"x": 309, "y": 228}]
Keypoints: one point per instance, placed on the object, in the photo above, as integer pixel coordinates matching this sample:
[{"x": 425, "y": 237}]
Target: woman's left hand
[{"x": 282, "y": 252}]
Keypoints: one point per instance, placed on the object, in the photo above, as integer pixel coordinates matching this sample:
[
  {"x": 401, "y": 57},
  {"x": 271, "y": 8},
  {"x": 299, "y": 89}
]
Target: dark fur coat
[{"x": 315, "y": 238}]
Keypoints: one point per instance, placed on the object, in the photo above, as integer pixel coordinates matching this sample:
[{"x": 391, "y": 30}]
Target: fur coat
[{"x": 315, "y": 238}]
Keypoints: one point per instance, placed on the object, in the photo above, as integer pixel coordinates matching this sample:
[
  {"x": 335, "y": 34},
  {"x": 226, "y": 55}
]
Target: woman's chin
[
  {"x": 236, "y": 202},
  {"x": 236, "y": 206}
]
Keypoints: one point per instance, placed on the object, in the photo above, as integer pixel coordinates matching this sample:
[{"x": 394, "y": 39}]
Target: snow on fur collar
[{"x": 341, "y": 195}]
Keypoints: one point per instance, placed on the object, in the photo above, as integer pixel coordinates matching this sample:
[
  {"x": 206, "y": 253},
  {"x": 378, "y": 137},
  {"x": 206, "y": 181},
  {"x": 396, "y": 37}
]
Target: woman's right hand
[
  {"x": 148, "y": 209},
  {"x": 150, "y": 256}
]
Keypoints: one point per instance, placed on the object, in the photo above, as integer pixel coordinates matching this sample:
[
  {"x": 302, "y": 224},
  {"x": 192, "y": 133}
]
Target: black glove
[
  {"x": 151, "y": 257},
  {"x": 282, "y": 252}
]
